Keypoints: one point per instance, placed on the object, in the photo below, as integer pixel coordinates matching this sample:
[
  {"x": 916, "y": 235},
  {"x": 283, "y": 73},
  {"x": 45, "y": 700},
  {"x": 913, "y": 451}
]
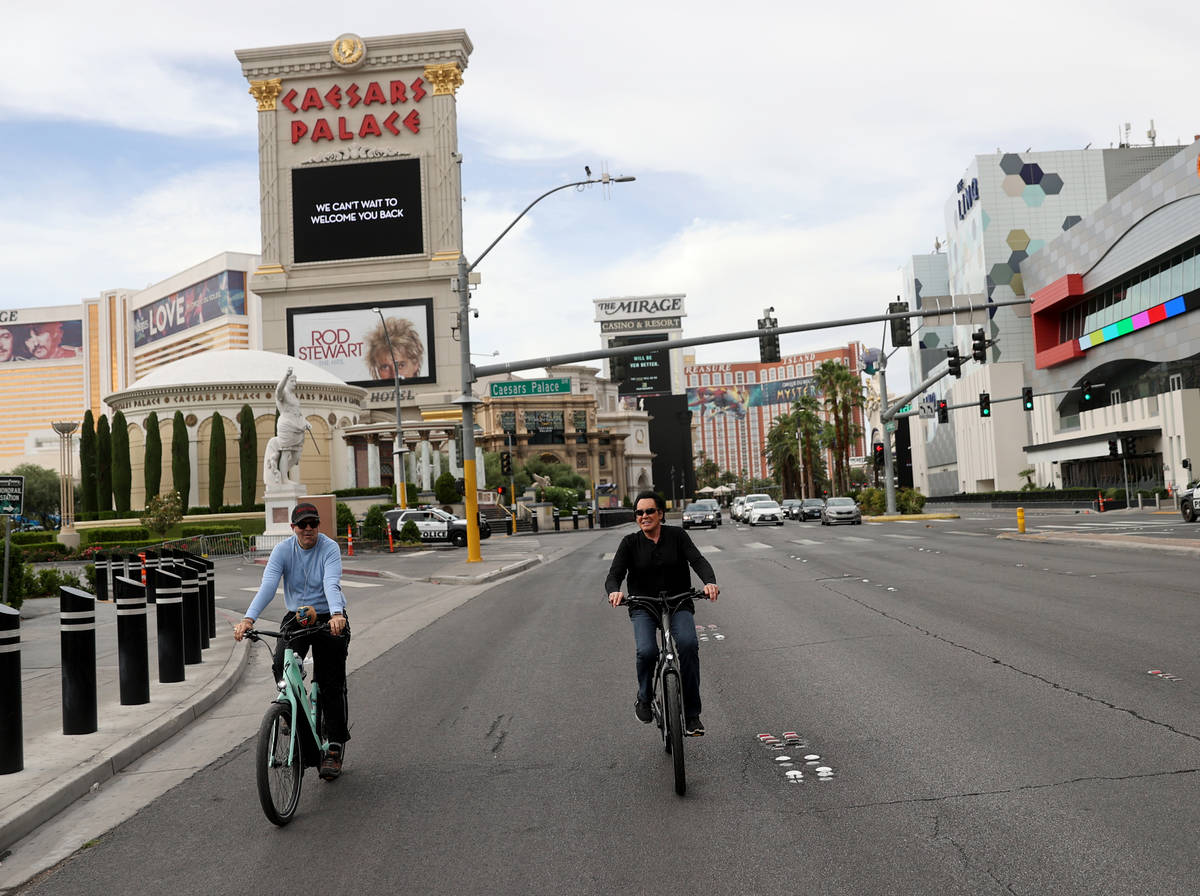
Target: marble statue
[{"x": 284, "y": 449}]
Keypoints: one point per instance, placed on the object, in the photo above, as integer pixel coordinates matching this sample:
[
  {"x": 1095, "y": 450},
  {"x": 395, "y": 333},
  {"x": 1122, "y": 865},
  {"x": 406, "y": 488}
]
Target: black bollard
[
  {"x": 192, "y": 607},
  {"x": 133, "y": 656},
  {"x": 199, "y": 569},
  {"x": 554, "y": 512},
  {"x": 101, "y": 562},
  {"x": 12, "y": 756},
  {"x": 168, "y": 591},
  {"x": 211, "y": 569},
  {"x": 575, "y": 519},
  {"x": 151, "y": 566},
  {"x": 77, "y": 616}
]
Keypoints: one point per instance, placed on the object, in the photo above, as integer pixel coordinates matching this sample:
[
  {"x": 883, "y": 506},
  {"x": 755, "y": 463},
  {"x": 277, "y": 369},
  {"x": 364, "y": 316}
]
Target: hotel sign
[{"x": 524, "y": 388}]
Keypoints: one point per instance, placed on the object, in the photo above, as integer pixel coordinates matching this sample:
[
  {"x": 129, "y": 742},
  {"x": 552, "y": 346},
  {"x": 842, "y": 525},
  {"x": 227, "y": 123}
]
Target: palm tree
[
  {"x": 808, "y": 425},
  {"x": 841, "y": 392},
  {"x": 783, "y": 455}
]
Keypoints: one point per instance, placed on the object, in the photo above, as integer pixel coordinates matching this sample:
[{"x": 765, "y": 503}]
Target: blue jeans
[{"x": 683, "y": 627}]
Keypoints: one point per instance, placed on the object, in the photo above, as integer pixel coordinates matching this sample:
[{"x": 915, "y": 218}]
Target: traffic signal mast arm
[
  {"x": 895, "y": 411},
  {"x": 642, "y": 348}
]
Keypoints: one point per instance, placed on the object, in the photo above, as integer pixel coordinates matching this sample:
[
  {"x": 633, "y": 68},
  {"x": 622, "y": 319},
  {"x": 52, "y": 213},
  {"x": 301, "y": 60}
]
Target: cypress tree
[
  {"x": 181, "y": 464},
  {"x": 247, "y": 455},
  {"x": 122, "y": 471},
  {"x": 104, "y": 491},
  {"x": 216, "y": 464},
  {"x": 152, "y": 469},
  {"x": 87, "y": 464}
]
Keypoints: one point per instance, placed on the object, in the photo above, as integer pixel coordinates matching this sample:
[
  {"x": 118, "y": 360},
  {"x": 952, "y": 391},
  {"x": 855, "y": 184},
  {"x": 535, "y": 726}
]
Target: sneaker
[
  {"x": 331, "y": 765},
  {"x": 693, "y": 727},
  {"x": 643, "y": 713}
]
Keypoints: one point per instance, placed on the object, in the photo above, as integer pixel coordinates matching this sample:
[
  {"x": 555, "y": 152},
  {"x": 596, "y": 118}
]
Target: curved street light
[{"x": 467, "y": 400}]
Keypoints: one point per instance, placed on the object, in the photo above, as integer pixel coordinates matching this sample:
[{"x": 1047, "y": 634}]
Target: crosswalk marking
[
  {"x": 346, "y": 583},
  {"x": 758, "y": 545},
  {"x": 972, "y": 534},
  {"x": 805, "y": 541},
  {"x": 908, "y": 537},
  {"x": 856, "y": 538}
]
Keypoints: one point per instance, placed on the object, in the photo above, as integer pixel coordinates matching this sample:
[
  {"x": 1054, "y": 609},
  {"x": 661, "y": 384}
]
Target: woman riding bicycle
[
  {"x": 310, "y": 565},
  {"x": 656, "y": 560}
]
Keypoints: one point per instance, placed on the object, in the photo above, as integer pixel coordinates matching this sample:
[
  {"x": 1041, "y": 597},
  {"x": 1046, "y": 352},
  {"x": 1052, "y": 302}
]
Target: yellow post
[
  {"x": 1021, "y": 520},
  {"x": 471, "y": 502}
]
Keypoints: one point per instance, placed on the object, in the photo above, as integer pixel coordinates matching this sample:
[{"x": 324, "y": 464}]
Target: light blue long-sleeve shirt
[{"x": 310, "y": 578}]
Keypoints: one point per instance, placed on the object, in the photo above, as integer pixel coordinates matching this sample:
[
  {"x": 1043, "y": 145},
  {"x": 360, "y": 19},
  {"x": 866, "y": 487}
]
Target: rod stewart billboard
[{"x": 351, "y": 343}]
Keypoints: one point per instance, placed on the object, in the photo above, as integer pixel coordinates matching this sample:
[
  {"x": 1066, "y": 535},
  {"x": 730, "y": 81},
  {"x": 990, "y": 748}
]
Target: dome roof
[{"x": 233, "y": 366}]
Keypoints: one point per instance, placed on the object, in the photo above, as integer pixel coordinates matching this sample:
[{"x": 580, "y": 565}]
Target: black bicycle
[{"x": 667, "y": 705}]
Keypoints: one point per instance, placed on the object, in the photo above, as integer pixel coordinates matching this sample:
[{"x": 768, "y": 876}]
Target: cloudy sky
[{"x": 786, "y": 154}]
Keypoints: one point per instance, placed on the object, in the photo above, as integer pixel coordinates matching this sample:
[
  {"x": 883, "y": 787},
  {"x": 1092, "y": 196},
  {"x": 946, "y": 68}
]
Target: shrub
[
  {"x": 445, "y": 488},
  {"x": 162, "y": 512},
  {"x": 410, "y": 534},
  {"x": 345, "y": 517},
  {"x": 375, "y": 524},
  {"x": 910, "y": 501},
  {"x": 874, "y": 501},
  {"x": 114, "y": 533},
  {"x": 49, "y": 580}
]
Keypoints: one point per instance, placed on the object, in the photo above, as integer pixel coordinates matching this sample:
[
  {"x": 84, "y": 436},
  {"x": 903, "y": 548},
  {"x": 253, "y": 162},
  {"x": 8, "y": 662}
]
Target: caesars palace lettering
[{"x": 345, "y": 127}]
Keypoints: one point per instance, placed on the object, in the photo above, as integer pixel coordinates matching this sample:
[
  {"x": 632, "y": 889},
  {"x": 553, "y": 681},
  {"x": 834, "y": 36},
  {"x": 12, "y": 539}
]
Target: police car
[{"x": 435, "y": 525}]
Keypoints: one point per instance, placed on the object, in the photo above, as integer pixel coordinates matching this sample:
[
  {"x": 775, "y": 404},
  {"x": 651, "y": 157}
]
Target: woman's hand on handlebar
[
  {"x": 711, "y": 591},
  {"x": 615, "y": 598}
]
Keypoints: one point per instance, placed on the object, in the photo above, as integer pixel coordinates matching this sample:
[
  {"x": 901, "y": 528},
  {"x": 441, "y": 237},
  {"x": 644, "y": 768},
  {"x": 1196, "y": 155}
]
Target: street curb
[
  {"x": 56, "y": 797},
  {"x": 1132, "y": 542},
  {"x": 891, "y": 518},
  {"x": 479, "y": 579}
]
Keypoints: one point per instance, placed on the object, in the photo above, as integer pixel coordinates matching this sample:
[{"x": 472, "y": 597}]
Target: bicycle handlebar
[
  {"x": 295, "y": 632},
  {"x": 671, "y": 601}
]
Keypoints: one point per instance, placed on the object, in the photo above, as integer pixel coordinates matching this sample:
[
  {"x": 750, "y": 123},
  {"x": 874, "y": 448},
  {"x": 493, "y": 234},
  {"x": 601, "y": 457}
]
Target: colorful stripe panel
[{"x": 1157, "y": 314}]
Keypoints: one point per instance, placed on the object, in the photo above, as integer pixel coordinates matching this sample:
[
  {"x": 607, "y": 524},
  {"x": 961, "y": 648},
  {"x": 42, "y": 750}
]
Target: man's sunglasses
[
  {"x": 650, "y": 512},
  {"x": 308, "y": 524}
]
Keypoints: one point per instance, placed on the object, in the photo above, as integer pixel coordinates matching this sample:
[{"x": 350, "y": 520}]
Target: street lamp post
[
  {"x": 66, "y": 482},
  {"x": 467, "y": 400},
  {"x": 399, "y": 448}
]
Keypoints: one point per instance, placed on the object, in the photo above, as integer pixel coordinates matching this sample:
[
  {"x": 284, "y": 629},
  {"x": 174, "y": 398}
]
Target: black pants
[{"x": 329, "y": 669}]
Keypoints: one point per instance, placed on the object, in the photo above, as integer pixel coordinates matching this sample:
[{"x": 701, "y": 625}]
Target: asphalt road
[{"x": 986, "y": 707}]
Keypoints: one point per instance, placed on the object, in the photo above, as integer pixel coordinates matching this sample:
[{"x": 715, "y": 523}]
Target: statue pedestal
[{"x": 279, "y": 500}]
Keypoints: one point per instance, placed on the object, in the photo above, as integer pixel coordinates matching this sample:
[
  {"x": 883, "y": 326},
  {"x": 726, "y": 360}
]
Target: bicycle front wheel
[
  {"x": 674, "y": 712},
  {"x": 279, "y": 777}
]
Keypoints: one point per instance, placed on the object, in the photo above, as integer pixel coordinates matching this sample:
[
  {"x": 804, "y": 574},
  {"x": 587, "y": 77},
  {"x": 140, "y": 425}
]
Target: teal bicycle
[{"x": 292, "y": 736}]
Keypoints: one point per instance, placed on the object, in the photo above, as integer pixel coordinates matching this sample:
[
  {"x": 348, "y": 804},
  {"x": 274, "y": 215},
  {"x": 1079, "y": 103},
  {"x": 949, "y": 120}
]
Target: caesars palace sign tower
[{"x": 361, "y": 203}]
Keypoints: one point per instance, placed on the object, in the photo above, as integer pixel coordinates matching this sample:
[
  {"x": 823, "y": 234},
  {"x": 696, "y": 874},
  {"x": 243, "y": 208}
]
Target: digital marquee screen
[{"x": 365, "y": 210}]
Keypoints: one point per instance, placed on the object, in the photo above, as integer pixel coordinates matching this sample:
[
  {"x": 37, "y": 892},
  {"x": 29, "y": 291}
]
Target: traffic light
[
  {"x": 1112, "y": 447},
  {"x": 768, "y": 343},
  {"x": 943, "y": 411},
  {"x": 985, "y": 404},
  {"x": 618, "y": 369},
  {"x": 878, "y": 455},
  {"x": 500, "y": 493},
  {"x": 901, "y": 326},
  {"x": 505, "y": 463},
  {"x": 979, "y": 346},
  {"x": 1085, "y": 393},
  {"x": 1027, "y": 398},
  {"x": 955, "y": 361},
  {"x": 1128, "y": 445}
]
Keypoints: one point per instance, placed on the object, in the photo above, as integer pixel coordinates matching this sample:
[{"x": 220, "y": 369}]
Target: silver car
[{"x": 841, "y": 510}]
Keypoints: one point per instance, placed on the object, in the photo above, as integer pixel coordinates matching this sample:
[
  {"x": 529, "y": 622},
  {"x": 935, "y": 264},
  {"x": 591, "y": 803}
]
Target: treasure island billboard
[{"x": 364, "y": 210}]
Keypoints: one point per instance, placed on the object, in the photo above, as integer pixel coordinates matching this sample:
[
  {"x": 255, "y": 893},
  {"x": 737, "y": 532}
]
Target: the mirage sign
[{"x": 639, "y": 308}]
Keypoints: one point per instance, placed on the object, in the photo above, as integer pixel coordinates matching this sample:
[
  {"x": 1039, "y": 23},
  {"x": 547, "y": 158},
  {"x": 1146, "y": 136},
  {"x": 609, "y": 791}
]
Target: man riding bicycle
[
  {"x": 656, "y": 559},
  {"x": 310, "y": 565}
]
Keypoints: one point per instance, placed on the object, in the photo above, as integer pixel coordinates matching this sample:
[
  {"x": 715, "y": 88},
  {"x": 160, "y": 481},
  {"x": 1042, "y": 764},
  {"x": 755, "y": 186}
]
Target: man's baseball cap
[{"x": 305, "y": 512}]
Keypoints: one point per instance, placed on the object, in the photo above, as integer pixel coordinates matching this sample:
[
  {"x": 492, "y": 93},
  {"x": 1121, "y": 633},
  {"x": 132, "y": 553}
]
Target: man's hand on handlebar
[
  {"x": 337, "y": 624},
  {"x": 615, "y": 598},
  {"x": 239, "y": 630},
  {"x": 711, "y": 591}
]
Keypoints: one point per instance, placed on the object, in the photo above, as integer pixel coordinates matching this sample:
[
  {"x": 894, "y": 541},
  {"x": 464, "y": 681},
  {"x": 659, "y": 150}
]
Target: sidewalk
[{"x": 61, "y": 769}]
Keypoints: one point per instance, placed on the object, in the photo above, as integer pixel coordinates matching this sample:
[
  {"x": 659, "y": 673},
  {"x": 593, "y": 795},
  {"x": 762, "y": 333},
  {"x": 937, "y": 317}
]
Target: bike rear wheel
[
  {"x": 673, "y": 700},
  {"x": 278, "y": 777}
]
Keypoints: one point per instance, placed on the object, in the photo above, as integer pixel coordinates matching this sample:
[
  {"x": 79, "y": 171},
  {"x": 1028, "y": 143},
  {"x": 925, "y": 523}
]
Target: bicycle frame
[
  {"x": 668, "y": 652},
  {"x": 302, "y": 700}
]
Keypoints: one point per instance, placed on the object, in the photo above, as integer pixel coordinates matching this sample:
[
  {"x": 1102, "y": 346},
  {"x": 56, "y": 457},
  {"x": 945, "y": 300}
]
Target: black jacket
[{"x": 655, "y": 568}]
